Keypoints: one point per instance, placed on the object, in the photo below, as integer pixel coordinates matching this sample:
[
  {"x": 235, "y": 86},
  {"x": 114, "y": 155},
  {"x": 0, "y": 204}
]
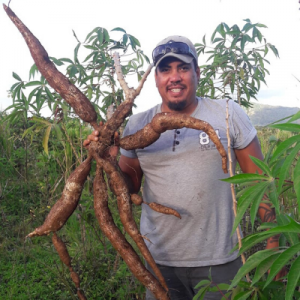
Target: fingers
[
  {"x": 91, "y": 138},
  {"x": 116, "y": 138}
]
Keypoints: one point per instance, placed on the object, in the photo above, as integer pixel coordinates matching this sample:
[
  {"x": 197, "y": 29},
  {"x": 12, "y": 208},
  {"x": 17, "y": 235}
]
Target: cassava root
[
  {"x": 166, "y": 121},
  {"x": 64, "y": 256},
  {"x": 64, "y": 207},
  {"x": 118, "y": 240},
  {"x": 138, "y": 200}
]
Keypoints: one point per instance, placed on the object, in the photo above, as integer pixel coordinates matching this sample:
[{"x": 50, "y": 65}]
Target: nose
[{"x": 175, "y": 76}]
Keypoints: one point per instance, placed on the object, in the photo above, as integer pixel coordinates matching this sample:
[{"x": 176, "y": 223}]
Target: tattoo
[
  {"x": 274, "y": 239},
  {"x": 269, "y": 214}
]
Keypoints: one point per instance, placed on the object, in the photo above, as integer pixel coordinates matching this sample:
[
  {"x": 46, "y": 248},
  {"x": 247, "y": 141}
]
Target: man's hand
[{"x": 112, "y": 152}]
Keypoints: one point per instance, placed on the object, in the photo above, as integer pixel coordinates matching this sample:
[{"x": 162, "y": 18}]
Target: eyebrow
[{"x": 164, "y": 65}]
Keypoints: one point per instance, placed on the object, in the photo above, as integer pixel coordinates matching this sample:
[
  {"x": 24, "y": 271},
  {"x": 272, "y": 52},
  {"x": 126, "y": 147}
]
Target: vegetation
[
  {"x": 38, "y": 154},
  {"x": 237, "y": 61}
]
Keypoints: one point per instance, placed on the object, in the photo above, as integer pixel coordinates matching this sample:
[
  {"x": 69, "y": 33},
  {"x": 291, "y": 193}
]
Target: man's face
[{"x": 177, "y": 83}]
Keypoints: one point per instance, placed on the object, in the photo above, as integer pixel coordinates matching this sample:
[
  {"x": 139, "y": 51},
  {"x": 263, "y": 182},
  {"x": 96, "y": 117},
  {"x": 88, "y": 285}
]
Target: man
[{"x": 182, "y": 170}]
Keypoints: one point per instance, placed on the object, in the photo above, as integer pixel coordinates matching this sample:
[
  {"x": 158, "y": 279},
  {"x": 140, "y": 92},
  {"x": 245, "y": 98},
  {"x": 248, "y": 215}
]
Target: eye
[
  {"x": 185, "y": 67},
  {"x": 164, "y": 69}
]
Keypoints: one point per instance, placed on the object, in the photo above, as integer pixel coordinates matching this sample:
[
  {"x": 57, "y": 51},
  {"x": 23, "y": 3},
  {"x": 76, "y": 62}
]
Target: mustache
[{"x": 175, "y": 85}]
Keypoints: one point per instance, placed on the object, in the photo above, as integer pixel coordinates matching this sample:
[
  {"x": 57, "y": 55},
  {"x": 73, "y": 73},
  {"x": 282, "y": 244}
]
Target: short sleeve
[{"x": 243, "y": 131}]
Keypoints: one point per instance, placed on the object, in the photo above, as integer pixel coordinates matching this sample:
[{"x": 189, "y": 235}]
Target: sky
[{"x": 52, "y": 23}]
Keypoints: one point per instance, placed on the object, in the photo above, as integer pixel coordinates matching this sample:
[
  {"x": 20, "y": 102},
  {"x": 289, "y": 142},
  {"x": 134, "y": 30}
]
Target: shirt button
[
  {"x": 178, "y": 132},
  {"x": 177, "y": 142}
]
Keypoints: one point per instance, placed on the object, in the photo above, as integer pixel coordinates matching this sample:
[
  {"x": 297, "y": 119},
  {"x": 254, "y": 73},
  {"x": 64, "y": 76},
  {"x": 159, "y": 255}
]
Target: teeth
[{"x": 176, "y": 90}]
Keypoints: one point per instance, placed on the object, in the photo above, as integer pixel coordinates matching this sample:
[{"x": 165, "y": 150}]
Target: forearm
[{"x": 267, "y": 214}]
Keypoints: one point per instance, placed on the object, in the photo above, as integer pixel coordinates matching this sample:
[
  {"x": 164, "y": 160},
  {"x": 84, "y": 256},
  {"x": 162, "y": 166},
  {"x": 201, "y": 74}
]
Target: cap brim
[{"x": 185, "y": 58}]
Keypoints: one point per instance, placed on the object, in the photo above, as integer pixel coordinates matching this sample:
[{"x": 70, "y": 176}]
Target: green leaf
[
  {"x": 247, "y": 27},
  {"x": 260, "y": 25},
  {"x": 16, "y": 76},
  {"x": 296, "y": 177},
  {"x": 49, "y": 94},
  {"x": 201, "y": 293},
  {"x": 73, "y": 71},
  {"x": 254, "y": 239},
  {"x": 243, "y": 295},
  {"x": 56, "y": 61},
  {"x": 286, "y": 166},
  {"x": 273, "y": 48},
  {"x": 32, "y": 71},
  {"x": 253, "y": 261},
  {"x": 76, "y": 52},
  {"x": 283, "y": 146},
  {"x": 273, "y": 195},
  {"x": 202, "y": 282},
  {"x": 263, "y": 267},
  {"x": 281, "y": 261},
  {"x": 46, "y": 138},
  {"x": 292, "y": 279},
  {"x": 292, "y": 237},
  {"x": 66, "y": 60},
  {"x": 32, "y": 83},
  {"x": 125, "y": 39},
  {"x": 243, "y": 42},
  {"x": 295, "y": 117},
  {"x": 257, "y": 201},
  {"x": 106, "y": 35},
  {"x": 250, "y": 194},
  {"x": 287, "y": 126},
  {"x": 41, "y": 120},
  {"x": 118, "y": 29},
  {"x": 100, "y": 36},
  {"x": 262, "y": 165},
  {"x": 241, "y": 178}
]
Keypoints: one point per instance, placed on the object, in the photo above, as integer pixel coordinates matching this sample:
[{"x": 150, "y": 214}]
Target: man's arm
[
  {"x": 265, "y": 212},
  {"x": 132, "y": 172}
]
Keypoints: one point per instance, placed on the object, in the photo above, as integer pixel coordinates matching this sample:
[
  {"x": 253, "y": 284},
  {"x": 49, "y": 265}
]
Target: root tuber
[
  {"x": 118, "y": 240},
  {"x": 64, "y": 207},
  {"x": 163, "y": 209},
  {"x": 136, "y": 199},
  {"x": 80, "y": 103},
  {"x": 64, "y": 256},
  {"x": 120, "y": 189},
  {"x": 166, "y": 121}
]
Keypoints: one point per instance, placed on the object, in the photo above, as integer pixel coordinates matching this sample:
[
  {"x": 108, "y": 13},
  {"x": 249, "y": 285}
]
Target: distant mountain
[{"x": 261, "y": 115}]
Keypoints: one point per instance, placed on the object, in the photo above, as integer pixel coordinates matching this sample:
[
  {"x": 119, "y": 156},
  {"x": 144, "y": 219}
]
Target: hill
[{"x": 261, "y": 115}]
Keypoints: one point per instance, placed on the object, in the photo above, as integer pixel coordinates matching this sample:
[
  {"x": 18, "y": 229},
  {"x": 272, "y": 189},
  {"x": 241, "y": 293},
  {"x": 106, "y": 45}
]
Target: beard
[{"x": 177, "y": 106}]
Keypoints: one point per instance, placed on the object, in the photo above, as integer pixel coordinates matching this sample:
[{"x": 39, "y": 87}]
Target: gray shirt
[{"x": 182, "y": 170}]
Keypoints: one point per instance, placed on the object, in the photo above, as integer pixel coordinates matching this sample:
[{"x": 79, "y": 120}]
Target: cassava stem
[
  {"x": 57, "y": 80},
  {"x": 166, "y": 121},
  {"x": 234, "y": 202},
  {"x": 118, "y": 240},
  {"x": 64, "y": 207}
]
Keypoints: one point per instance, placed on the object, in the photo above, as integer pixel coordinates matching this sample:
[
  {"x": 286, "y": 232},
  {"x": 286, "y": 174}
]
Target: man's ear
[
  {"x": 155, "y": 76},
  {"x": 198, "y": 73}
]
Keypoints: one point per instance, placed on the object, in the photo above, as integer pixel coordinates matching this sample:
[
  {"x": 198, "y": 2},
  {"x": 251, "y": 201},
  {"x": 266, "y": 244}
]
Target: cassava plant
[
  {"x": 63, "y": 209},
  {"x": 281, "y": 175},
  {"x": 237, "y": 59}
]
